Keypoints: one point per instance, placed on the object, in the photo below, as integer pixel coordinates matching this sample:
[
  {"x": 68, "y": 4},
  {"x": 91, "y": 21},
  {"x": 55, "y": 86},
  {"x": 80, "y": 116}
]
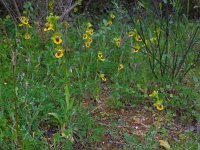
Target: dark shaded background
[{"x": 92, "y": 7}]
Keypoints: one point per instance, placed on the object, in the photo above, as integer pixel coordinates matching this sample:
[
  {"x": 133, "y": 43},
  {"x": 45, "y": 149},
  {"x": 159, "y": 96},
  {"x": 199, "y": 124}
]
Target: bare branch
[
  {"x": 9, "y": 10},
  {"x": 87, "y": 5},
  {"x": 17, "y": 9},
  {"x": 68, "y": 10}
]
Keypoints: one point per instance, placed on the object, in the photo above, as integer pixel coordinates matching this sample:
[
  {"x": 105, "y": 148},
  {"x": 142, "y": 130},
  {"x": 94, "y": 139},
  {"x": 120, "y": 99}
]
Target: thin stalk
[
  {"x": 166, "y": 46},
  {"x": 97, "y": 87},
  {"x": 168, "y": 67},
  {"x": 186, "y": 72},
  {"x": 188, "y": 8},
  {"x": 152, "y": 64},
  {"x": 186, "y": 52},
  {"x": 174, "y": 57},
  {"x": 191, "y": 66},
  {"x": 159, "y": 49},
  {"x": 15, "y": 98}
]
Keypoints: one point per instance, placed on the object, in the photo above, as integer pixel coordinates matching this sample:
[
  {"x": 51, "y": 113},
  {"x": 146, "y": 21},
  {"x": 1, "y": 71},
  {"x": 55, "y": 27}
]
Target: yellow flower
[
  {"x": 154, "y": 94},
  {"x": 135, "y": 50},
  {"x": 158, "y": 104},
  {"x": 120, "y": 67},
  {"x": 131, "y": 34},
  {"x": 117, "y": 39},
  {"x": 57, "y": 39},
  {"x": 89, "y": 40},
  {"x": 100, "y": 56},
  {"x": 24, "y": 20},
  {"x": 138, "y": 38},
  {"x": 90, "y": 31},
  {"x": 85, "y": 36},
  {"x": 103, "y": 78},
  {"x": 160, "y": 107},
  {"x": 117, "y": 44},
  {"x": 59, "y": 53},
  {"x": 49, "y": 26},
  {"x": 109, "y": 23},
  {"x": 112, "y": 16},
  {"x": 27, "y": 36},
  {"x": 87, "y": 44}
]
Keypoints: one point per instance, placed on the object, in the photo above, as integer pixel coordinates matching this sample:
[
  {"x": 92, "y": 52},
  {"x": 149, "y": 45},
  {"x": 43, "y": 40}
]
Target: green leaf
[
  {"x": 141, "y": 4},
  {"x": 55, "y": 115}
]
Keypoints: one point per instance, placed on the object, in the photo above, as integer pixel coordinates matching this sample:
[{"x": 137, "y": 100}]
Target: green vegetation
[{"x": 125, "y": 79}]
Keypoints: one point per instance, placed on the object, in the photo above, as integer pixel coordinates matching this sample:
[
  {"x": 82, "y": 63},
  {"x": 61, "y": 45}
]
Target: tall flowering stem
[{"x": 15, "y": 97}]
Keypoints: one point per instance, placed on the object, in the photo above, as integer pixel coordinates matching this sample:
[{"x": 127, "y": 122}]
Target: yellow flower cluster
[
  {"x": 25, "y": 22},
  {"x": 111, "y": 19},
  {"x": 138, "y": 39},
  {"x": 100, "y": 56},
  {"x": 57, "y": 39},
  {"x": 120, "y": 67},
  {"x": 103, "y": 77},
  {"x": 154, "y": 94},
  {"x": 132, "y": 33},
  {"x": 158, "y": 104},
  {"x": 117, "y": 41},
  {"x": 87, "y": 36},
  {"x": 48, "y": 26},
  {"x": 51, "y": 22},
  {"x": 136, "y": 48}
]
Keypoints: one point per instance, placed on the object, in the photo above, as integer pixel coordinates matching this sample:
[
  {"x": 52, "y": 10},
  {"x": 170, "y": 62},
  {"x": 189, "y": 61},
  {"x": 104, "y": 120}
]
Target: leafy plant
[{"x": 169, "y": 43}]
